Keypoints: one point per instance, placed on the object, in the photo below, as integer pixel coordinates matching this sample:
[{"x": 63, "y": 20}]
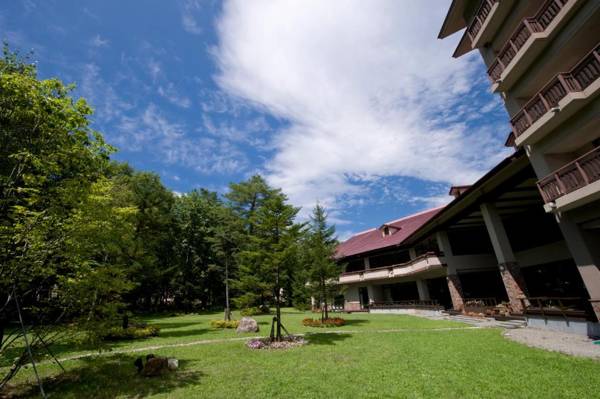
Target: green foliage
[
  {"x": 224, "y": 323},
  {"x": 321, "y": 269},
  {"x": 256, "y": 310},
  {"x": 131, "y": 333},
  {"x": 329, "y": 322}
]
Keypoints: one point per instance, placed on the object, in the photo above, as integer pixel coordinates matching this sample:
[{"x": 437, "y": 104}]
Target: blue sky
[{"x": 355, "y": 104}]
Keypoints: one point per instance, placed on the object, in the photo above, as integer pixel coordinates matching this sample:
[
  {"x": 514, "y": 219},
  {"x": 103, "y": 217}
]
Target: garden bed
[
  {"x": 331, "y": 322},
  {"x": 290, "y": 341}
]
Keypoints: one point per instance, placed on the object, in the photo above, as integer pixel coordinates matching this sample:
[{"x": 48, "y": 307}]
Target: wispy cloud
[
  {"x": 98, "y": 41},
  {"x": 188, "y": 21},
  {"x": 170, "y": 93},
  {"x": 368, "y": 94}
]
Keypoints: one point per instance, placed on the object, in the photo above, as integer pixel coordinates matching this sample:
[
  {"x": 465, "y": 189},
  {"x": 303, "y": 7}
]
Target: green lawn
[{"x": 360, "y": 361}]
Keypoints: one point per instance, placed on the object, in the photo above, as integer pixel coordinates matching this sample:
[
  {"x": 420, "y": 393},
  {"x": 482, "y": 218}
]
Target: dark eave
[
  {"x": 454, "y": 20},
  {"x": 502, "y": 172}
]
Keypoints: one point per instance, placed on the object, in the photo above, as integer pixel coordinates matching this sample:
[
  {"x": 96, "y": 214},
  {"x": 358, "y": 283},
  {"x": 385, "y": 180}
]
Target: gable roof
[{"x": 373, "y": 239}]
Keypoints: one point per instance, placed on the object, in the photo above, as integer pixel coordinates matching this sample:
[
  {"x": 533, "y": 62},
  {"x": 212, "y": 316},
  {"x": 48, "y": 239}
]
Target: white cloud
[
  {"x": 188, "y": 21},
  {"x": 170, "y": 93},
  {"x": 367, "y": 87},
  {"x": 151, "y": 132},
  {"x": 98, "y": 41}
]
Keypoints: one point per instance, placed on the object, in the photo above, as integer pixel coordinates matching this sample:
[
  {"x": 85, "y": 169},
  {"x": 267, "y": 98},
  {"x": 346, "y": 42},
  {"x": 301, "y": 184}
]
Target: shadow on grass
[
  {"x": 355, "y": 322},
  {"x": 173, "y": 325},
  {"x": 183, "y": 333},
  {"x": 109, "y": 378},
  {"x": 326, "y": 338}
]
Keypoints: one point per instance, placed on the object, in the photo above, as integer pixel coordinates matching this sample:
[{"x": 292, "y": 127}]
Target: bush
[
  {"x": 132, "y": 332},
  {"x": 224, "y": 323},
  {"x": 257, "y": 310},
  {"x": 331, "y": 322}
]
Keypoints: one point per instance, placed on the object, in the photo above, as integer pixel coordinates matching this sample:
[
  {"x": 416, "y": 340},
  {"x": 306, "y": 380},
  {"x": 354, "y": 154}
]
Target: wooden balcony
[
  {"x": 480, "y": 16},
  {"x": 577, "y": 174},
  {"x": 426, "y": 262},
  {"x": 522, "y": 33},
  {"x": 578, "y": 79}
]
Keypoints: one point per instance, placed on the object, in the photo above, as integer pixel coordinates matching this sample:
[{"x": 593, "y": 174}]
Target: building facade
[{"x": 526, "y": 235}]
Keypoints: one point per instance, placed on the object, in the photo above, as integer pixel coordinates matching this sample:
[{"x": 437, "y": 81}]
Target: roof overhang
[
  {"x": 489, "y": 183},
  {"x": 454, "y": 20}
]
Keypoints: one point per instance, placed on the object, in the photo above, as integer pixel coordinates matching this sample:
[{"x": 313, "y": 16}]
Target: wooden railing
[
  {"x": 524, "y": 30},
  {"x": 578, "y": 79},
  {"x": 479, "y": 18},
  {"x": 555, "y": 306},
  {"x": 576, "y": 174},
  {"x": 390, "y": 267},
  {"x": 480, "y": 302},
  {"x": 407, "y": 304}
]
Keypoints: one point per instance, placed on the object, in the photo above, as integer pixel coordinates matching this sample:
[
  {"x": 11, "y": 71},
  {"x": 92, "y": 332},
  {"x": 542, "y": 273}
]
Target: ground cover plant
[
  {"x": 330, "y": 322},
  {"x": 372, "y": 356}
]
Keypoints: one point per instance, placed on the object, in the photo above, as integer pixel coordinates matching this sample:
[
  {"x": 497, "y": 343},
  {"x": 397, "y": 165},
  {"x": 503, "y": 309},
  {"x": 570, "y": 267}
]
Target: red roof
[{"x": 373, "y": 239}]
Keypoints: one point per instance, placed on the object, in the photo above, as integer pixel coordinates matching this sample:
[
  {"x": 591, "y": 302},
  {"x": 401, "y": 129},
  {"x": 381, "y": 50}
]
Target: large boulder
[{"x": 247, "y": 324}]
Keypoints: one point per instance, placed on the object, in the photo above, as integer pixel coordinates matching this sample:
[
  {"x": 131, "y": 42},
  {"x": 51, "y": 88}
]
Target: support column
[
  {"x": 454, "y": 286},
  {"x": 584, "y": 259},
  {"x": 423, "y": 290},
  {"x": 367, "y": 263},
  {"x": 507, "y": 262},
  {"x": 412, "y": 252}
]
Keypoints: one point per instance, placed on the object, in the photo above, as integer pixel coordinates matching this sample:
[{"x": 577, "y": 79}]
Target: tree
[
  {"x": 265, "y": 264},
  {"x": 197, "y": 278},
  {"x": 319, "y": 251},
  {"x": 52, "y": 168},
  {"x": 247, "y": 197},
  {"x": 226, "y": 242},
  {"x": 151, "y": 253}
]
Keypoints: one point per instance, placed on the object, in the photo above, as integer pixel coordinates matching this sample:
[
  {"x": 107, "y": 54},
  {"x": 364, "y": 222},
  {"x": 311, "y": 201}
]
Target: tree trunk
[
  {"x": 227, "y": 309},
  {"x": 277, "y": 307}
]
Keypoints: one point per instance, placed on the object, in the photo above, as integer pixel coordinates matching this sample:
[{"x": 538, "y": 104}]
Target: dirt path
[{"x": 224, "y": 340}]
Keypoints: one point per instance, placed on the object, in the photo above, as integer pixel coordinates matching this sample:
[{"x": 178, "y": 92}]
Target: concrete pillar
[
  {"x": 367, "y": 263},
  {"x": 423, "y": 290},
  {"x": 375, "y": 293},
  {"x": 454, "y": 286},
  {"x": 584, "y": 258},
  {"x": 412, "y": 252},
  {"x": 507, "y": 262}
]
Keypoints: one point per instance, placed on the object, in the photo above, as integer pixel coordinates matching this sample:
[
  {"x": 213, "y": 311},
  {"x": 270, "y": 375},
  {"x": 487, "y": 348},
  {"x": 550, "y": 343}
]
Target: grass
[{"x": 359, "y": 361}]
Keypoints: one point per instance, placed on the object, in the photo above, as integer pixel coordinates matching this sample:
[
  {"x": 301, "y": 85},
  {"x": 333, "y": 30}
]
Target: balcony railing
[
  {"x": 577, "y": 174},
  {"x": 578, "y": 79},
  {"x": 524, "y": 30},
  {"x": 555, "y": 306},
  {"x": 408, "y": 304},
  {"x": 480, "y": 16}
]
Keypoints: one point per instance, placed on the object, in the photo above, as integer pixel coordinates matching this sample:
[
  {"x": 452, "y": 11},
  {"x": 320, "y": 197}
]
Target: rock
[
  {"x": 247, "y": 324},
  {"x": 155, "y": 366},
  {"x": 173, "y": 364}
]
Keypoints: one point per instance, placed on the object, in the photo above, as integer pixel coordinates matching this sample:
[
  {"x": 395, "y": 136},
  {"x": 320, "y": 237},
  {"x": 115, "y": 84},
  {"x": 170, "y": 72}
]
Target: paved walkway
[{"x": 570, "y": 344}]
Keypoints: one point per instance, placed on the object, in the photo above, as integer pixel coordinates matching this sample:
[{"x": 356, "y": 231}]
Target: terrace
[
  {"x": 538, "y": 23},
  {"x": 426, "y": 262},
  {"x": 577, "y": 174},
  {"x": 580, "y": 83}
]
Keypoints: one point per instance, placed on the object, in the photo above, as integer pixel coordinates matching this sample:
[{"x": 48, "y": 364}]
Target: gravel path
[{"x": 571, "y": 344}]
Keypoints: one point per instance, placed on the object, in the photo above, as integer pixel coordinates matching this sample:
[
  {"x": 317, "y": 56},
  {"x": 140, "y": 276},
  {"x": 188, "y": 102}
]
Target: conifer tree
[{"x": 321, "y": 267}]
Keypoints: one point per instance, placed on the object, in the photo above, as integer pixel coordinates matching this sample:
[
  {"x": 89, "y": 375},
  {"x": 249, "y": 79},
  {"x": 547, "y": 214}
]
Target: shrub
[
  {"x": 257, "y": 310},
  {"x": 331, "y": 322},
  {"x": 224, "y": 323},
  {"x": 132, "y": 332}
]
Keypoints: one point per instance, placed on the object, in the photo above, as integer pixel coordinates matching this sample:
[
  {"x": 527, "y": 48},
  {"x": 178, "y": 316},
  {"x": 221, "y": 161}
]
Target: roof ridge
[{"x": 415, "y": 214}]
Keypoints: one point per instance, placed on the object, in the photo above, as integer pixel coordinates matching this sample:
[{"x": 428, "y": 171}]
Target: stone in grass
[
  {"x": 247, "y": 324},
  {"x": 155, "y": 365}
]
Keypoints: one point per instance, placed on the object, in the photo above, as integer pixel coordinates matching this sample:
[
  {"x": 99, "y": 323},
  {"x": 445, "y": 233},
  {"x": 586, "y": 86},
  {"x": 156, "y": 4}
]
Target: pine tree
[
  {"x": 321, "y": 267},
  {"x": 265, "y": 264}
]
